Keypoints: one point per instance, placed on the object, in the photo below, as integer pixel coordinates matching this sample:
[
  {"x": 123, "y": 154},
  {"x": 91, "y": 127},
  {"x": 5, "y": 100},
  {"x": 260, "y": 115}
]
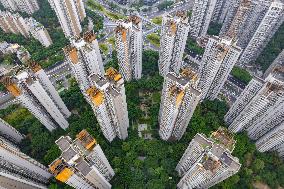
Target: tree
[
  {"x": 258, "y": 165},
  {"x": 214, "y": 28},
  {"x": 241, "y": 74}
]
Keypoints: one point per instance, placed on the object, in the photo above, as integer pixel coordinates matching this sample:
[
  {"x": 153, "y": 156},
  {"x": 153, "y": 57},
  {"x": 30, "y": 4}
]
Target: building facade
[
  {"x": 260, "y": 111},
  {"x": 27, "y": 6},
  {"x": 13, "y": 23},
  {"x": 202, "y": 13},
  {"x": 10, "y": 133},
  {"x": 108, "y": 100},
  {"x": 226, "y": 15},
  {"x": 174, "y": 34},
  {"x": 129, "y": 46},
  {"x": 234, "y": 30},
  {"x": 218, "y": 60},
  {"x": 69, "y": 13},
  {"x": 39, "y": 32},
  {"x": 179, "y": 100},
  {"x": 253, "y": 23},
  {"x": 27, "y": 27},
  {"x": 39, "y": 100},
  {"x": 208, "y": 161},
  {"x": 84, "y": 57},
  {"x": 82, "y": 163},
  {"x": 17, "y": 170},
  {"x": 269, "y": 24},
  {"x": 49, "y": 88}
]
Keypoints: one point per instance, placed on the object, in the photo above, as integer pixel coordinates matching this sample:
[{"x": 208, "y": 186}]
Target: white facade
[
  {"x": 243, "y": 100},
  {"x": 9, "y": 132},
  {"x": 179, "y": 100},
  {"x": 85, "y": 59},
  {"x": 129, "y": 46},
  {"x": 38, "y": 31},
  {"x": 256, "y": 101},
  {"x": 82, "y": 163},
  {"x": 227, "y": 13},
  {"x": 69, "y": 13},
  {"x": 260, "y": 111},
  {"x": 15, "y": 23},
  {"x": 269, "y": 24},
  {"x": 27, "y": 6},
  {"x": 49, "y": 88},
  {"x": 19, "y": 170},
  {"x": 21, "y": 25},
  {"x": 174, "y": 34},
  {"x": 108, "y": 100},
  {"x": 198, "y": 145},
  {"x": 234, "y": 30},
  {"x": 271, "y": 139},
  {"x": 202, "y": 13},
  {"x": 32, "y": 94},
  {"x": 207, "y": 161},
  {"x": 9, "y": 4},
  {"x": 218, "y": 60}
]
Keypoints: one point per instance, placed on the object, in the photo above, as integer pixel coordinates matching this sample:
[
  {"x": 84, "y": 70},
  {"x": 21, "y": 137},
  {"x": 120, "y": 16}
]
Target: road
[
  {"x": 236, "y": 82},
  {"x": 185, "y": 6}
]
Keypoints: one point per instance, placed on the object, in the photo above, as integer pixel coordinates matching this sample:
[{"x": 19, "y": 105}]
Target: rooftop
[
  {"x": 223, "y": 137},
  {"x": 86, "y": 139}
]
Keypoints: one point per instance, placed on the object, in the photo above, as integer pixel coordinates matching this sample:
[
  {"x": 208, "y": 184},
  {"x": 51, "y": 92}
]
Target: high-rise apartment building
[
  {"x": 218, "y": 60},
  {"x": 13, "y": 23},
  {"x": 237, "y": 22},
  {"x": 277, "y": 63},
  {"x": 108, "y": 100},
  {"x": 208, "y": 161},
  {"x": 17, "y": 170},
  {"x": 179, "y": 100},
  {"x": 82, "y": 163},
  {"x": 84, "y": 57},
  {"x": 269, "y": 24},
  {"x": 260, "y": 111},
  {"x": 27, "y": 6},
  {"x": 225, "y": 15},
  {"x": 174, "y": 34},
  {"x": 271, "y": 139},
  {"x": 235, "y": 16},
  {"x": 49, "y": 88},
  {"x": 9, "y": 4},
  {"x": 39, "y": 32},
  {"x": 10, "y": 133},
  {"x": 202, "y": 13},
  {"x": 257, "y": 106},
  {"x": 69, "y": 13},
  {"x": 37, "y": 96},
  {"x": 129, "y": 46},
  {"x": 253, "y": 23}
]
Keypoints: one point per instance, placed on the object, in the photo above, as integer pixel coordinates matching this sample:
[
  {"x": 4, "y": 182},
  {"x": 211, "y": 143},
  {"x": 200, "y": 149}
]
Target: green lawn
[
  {"x": 154, "y": 39},
  {"x": 104, "y": 48},
  {"x": 111, "y": 41},
  {"x": 96, "y": 6},
  {"x": 157, "y": 20}
]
